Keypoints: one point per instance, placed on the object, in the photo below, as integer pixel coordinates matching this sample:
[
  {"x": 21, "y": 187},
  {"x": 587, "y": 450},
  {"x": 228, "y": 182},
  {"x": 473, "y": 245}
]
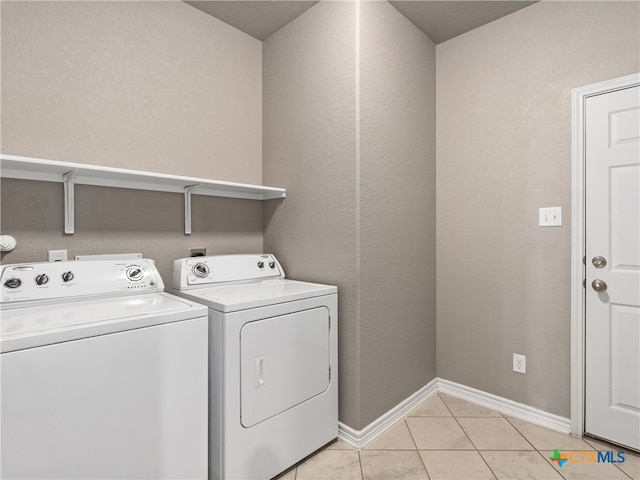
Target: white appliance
[
  {"x": 103, "y": 374},
  {"x": 273, "y": 363}
]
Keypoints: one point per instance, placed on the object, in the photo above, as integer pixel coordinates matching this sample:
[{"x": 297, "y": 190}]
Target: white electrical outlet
[
  {"x": 519, "y": 363},
  {"x": 57, "y": 255}
]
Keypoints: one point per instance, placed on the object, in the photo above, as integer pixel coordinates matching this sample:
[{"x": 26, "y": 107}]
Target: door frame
[{"x": 578, "y": 239}]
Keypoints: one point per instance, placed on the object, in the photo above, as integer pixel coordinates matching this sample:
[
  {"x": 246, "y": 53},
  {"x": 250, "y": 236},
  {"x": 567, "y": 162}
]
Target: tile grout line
[
  {"x": 424, "y": 465},
  {"x": 586, "y": 439},
  {"x": 461, "y": 427},
  {"x": 544, "y": 457},
  {"x": 474, "y": 445},
  {"x": 522, "y": 435},
  {"x": 623, "y": 472},
  {"x": 360, "y": 463}
]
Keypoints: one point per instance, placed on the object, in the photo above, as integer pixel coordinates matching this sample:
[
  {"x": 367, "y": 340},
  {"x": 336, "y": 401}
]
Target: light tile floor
[{"x": 446, "y": 438}]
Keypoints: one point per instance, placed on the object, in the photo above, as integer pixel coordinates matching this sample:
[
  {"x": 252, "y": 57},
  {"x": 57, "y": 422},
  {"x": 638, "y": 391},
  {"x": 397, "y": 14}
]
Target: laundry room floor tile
[
  {"x": 436, "y": 433},
  {"x": 631, "y": 465},
  {"x": 388, "y": 464},
  {"x": 520, "y": 465},
  {"x": 493, "y": 434},
  {"x": 544, "y": 439},
  {"x": 462, "y": 408},
  {"x": 431, "y": 407},
  {"x": 446, "y": 438},
  {"x": 397, "y": 437},
  {"x": 586, "y": 470},
  {"x": 340, "y": 445},
  {"x": 455, "y": 465},
  {"x": 331, "y": 465}
]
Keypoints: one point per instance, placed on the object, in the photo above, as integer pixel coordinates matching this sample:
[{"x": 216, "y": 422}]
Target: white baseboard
[
  {"x": 506, "y": 406},
  {"x": 360, "y": 438}
]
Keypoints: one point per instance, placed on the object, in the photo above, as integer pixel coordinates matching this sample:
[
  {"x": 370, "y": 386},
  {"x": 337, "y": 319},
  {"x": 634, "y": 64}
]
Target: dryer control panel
[
  {"x": 49, "y": 280},
  {"x": 201, "y": 271}
]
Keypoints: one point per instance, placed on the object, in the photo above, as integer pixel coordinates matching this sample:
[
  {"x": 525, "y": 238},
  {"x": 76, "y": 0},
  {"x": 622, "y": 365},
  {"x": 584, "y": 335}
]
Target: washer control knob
[
  {"x": 135, "y": 273},
  {"x": 272, "y": 265},
  {"x": 200, "y": 270},
  {"x": 42, "y": 279},
  {"x": 13, "y": 283},
  {"x": 67, "y": 277},
  {"x": 260, "y": 264}
]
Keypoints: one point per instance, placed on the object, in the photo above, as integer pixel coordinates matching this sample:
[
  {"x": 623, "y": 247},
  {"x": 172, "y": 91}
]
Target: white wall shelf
[{"x": 71, "y": 174}]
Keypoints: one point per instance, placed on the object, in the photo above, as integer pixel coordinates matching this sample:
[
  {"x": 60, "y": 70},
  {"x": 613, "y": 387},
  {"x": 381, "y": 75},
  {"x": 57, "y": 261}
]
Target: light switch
[{"x": 550, "y": 217}]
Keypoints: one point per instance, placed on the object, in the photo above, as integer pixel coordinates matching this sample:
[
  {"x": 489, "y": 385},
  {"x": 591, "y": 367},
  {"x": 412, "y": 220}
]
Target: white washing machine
[
  {"x": 103, "y": 375},
  {"x": 273, "y": 363}
]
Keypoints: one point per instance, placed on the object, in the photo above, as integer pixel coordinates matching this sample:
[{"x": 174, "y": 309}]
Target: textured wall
[
  {"x": 397, "y": 209},
  {"x": 119, "y": 220},
  {"x": 504, "y": 150},
  {"x": 310, "y": 149},
  {"x": 360, "y": 211},
  {"x": 156, "y": 86}
]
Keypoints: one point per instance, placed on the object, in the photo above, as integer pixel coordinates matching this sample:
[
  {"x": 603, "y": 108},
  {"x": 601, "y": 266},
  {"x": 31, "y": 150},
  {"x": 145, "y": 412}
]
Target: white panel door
[
  {"x": 284, "y": 362},
  {"x": 612, "y": 396}
]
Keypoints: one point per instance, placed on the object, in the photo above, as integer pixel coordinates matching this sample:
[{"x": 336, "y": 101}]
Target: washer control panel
[
  {"x": 198, "y": 271},
  {"x": 41, "y": 281}
]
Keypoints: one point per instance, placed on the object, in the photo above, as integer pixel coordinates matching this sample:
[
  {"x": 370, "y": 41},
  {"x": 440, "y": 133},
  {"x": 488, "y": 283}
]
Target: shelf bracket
[
  {"x": 69, "y": 201},
  {"x": 187, "y": 208}
]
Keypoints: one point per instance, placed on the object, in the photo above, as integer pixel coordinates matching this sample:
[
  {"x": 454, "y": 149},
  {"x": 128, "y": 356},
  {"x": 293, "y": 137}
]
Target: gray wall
[
  {"x": 310, "y": 149},
  {"x": 504, "y": 150},
  {"x": 397, "y": 209},
  {"x": 360, "y": 211},
  {"x": 157, "y": 86}
]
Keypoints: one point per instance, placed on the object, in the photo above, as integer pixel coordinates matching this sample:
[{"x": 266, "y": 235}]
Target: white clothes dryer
[
  {"x": 103, "y": 375},
  {"x": 273, "y": 363}
]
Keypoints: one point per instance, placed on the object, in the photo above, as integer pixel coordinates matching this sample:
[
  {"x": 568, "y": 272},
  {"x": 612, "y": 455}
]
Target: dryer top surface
[{"x": 232, "y": 298}]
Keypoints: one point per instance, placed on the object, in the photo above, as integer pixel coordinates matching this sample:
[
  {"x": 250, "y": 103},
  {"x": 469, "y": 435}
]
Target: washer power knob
[
  {"x": 67, "y": 277},
  {"x": 272, "y": 265},
  {"x": 260, "y": 264},
  {"x": 42, "y": 279},
  {"x": 13, "y": 283}
]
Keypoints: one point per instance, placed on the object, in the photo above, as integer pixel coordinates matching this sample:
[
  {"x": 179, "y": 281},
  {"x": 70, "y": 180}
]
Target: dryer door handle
[{"x": 258, "y": 372}]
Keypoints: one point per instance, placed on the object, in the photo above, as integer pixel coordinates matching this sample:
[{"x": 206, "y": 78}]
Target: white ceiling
[{"x": 440, "y": 20}]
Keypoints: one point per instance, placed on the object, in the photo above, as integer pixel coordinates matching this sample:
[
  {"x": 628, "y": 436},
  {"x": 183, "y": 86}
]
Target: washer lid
[
  {"x": 43, "y": 325},
  {"x": 231, "y": 298}
]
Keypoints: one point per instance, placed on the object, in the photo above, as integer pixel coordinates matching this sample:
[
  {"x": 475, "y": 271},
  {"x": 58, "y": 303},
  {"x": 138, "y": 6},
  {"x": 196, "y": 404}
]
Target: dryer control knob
[
  {"x": 200, "y": 270},
  {"x": 13, "y": 283},
  {"x": 272, "y": 265},
  {"x": 260, "y": 264},
  {"x": 42, "y": 279},
  {"x": 67, "y": 277}
]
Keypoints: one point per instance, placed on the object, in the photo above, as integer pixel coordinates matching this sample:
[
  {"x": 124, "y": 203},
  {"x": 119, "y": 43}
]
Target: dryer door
[{"x": 284, "y": 362}]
